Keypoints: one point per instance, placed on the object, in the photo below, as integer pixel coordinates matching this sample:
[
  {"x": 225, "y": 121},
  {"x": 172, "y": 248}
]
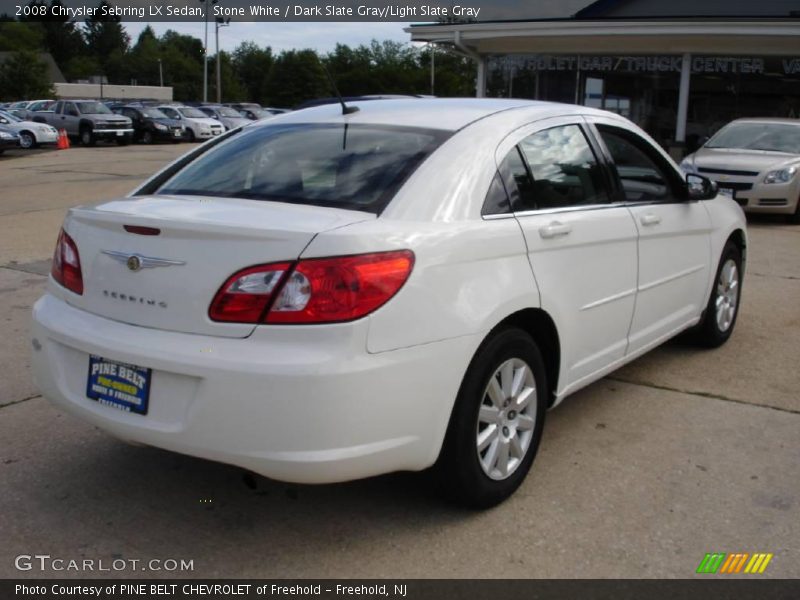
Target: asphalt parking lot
[{"x": 681, "y": 453}]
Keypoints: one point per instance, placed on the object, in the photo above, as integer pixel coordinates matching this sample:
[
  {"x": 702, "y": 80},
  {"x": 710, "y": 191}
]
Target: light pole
[
  {"x": 160, "y": 73},
  {"x": 433, "y": 68},
  {"x": 219, "y": 22},
  {"x": 207, "y": 9}
]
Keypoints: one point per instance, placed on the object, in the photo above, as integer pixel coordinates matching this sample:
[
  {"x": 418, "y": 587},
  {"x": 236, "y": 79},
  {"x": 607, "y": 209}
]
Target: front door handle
[
  {"x": 650, "y": 219},
  {"x": 554, "y": 229}
]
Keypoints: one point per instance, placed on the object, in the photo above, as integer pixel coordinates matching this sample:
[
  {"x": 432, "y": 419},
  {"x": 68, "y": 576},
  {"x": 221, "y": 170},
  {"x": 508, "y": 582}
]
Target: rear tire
[
  {"x": 723, "y": 305},
  {"x": 497, "y": 422}
]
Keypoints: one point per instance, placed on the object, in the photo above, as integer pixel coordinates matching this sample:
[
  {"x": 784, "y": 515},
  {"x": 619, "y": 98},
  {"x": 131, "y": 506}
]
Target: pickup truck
[{"x": 88, "y": 121}]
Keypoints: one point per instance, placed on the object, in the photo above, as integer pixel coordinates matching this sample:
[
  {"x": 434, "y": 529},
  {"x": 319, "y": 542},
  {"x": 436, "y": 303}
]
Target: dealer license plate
[
  {"x": 119, "y": 385},
  {"x": 120, "y": 133}
]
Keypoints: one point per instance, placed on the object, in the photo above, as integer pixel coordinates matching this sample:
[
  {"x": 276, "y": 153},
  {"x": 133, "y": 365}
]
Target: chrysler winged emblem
[{"x": 137, "y": 262}]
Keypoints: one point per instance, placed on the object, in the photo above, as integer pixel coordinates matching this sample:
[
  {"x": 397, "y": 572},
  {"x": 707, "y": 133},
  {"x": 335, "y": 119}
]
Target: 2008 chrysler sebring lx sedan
[{"x": 326, "y": 296}]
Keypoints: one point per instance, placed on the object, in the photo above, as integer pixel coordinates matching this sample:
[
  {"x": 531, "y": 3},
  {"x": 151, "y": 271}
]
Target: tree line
[{"x": 101, "y": 47}]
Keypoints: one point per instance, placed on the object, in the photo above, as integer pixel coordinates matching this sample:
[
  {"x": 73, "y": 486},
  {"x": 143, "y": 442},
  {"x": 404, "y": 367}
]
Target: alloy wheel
[
  {"x": 506, "y": 419},
  {"x": 727, "y": 295}
]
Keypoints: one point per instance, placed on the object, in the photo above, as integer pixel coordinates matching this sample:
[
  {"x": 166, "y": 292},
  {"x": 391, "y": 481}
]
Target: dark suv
[{"x": 151, "y": 125}]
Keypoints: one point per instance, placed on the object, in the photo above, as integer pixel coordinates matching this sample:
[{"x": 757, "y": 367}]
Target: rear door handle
[
  {"x": 554, "y": 229},
  {"x": 650, "y": 219}
]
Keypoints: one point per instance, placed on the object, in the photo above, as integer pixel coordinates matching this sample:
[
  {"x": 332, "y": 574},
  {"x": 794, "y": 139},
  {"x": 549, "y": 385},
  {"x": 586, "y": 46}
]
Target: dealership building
[{"x": 680, "y": 69}]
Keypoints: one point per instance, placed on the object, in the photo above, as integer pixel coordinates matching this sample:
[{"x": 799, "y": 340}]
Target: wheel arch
[
  {"x": 739, "y": 238},
  {"x": 540, "y": 326}
]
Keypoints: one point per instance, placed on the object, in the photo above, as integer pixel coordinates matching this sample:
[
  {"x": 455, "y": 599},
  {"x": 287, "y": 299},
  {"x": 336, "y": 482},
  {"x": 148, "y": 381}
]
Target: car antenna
[{"x": 346, "y": 110}]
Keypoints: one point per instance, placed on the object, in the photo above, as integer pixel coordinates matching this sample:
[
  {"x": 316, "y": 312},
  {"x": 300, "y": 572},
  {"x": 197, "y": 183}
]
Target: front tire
[
  {"x": 497, "y": 421},
  {"x": 723, "y": 305},
  {"x": 148, "y": 138},
  {"x": 794, "y": 218},
  {"x": 27, "y": 140},
  {"x": 87, "y": 137}
]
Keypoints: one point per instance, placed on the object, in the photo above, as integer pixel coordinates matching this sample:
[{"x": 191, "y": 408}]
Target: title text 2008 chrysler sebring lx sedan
[{"x": 325, "y": 296}]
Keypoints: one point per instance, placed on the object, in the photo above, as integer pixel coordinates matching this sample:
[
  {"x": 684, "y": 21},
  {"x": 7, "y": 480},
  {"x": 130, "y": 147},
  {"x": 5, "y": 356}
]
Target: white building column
[
  {"x": 683, "y": 99},
  {"x": 480, "y": 83}
]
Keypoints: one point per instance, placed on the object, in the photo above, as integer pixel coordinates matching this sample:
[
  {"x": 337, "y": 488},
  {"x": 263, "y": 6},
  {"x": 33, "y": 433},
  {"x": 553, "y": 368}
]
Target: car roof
[
  {"x": 449, "y": 114},
  {"x": 783, "y": 120}
]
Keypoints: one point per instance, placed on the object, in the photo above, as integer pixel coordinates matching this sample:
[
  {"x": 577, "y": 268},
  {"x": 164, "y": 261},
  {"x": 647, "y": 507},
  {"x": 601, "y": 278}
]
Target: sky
[{"x": 284, "y": 36}]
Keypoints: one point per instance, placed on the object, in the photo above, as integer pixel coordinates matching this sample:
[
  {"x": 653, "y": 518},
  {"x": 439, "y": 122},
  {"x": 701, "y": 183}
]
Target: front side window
[
  {"x": 563, "y": 168},
  {"x": 642, "y": 178},
  {"x": 357, "y": 167}
]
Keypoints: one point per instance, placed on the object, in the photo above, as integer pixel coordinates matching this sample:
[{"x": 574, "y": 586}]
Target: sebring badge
[{"x": 135, "y": 262}]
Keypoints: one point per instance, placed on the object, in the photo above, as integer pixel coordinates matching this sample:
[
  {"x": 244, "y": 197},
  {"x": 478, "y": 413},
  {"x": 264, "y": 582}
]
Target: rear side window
[
  {"x": 357, "y": 167},
  {"x": 564, "y": 170}
]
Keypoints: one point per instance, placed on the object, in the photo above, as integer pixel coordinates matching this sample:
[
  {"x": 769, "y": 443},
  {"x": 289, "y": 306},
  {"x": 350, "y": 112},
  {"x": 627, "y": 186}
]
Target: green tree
[
  {"x": 232, "y": 88},
  {"x": 252, "y": 65},
  {"x": 107, "y": 41},
  {"x": 16, "y": 35},
  {"x": 61, "y": 37},
  {"x": 182, "y": 60},
  {"x": 142, "y": 60},
  {"x": 23, "y": 76},
  {"x": 296, "y": 76}
]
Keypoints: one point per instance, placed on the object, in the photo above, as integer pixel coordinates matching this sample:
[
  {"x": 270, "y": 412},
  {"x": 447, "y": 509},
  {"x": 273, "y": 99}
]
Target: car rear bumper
[{"x": 302, "y": 404}]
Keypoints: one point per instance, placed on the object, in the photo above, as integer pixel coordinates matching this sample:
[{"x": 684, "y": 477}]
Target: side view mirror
[{"x": 700, "y": 188}]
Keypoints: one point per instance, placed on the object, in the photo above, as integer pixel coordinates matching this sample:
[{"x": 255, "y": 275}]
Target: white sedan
[
  {"x": 325, "y": 296},
  {"x": 31, "y": 134}
]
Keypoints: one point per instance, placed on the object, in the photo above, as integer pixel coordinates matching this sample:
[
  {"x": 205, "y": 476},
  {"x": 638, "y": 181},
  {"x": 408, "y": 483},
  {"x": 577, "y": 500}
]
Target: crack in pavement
[
  {"x": 789, "y": 277},
  {"x": 40, "y": 268},
  {"x": 20, "y": 401},
  {"x": 667, "y": 388}
]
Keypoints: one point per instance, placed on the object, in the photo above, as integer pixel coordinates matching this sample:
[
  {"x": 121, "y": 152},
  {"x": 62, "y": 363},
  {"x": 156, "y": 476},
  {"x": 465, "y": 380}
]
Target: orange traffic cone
[{"x": 63, "y": 140}]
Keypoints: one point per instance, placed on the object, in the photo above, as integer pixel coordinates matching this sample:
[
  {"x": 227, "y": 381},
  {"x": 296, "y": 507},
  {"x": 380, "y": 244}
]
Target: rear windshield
[
  {"x": 357, "y": 167},
  {"x": 777, "y": 137}
]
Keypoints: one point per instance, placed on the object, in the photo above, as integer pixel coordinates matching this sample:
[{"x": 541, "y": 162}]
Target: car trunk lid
[{"x": 185, "y": 247}]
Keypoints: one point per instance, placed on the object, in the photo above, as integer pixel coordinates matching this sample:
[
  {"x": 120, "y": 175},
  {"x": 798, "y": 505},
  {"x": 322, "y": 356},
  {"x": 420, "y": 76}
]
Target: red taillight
[
  {"x": 66, "y": 268},
  {"x": 245, "y": 297},
  {"x": 318, "y": 290}
]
